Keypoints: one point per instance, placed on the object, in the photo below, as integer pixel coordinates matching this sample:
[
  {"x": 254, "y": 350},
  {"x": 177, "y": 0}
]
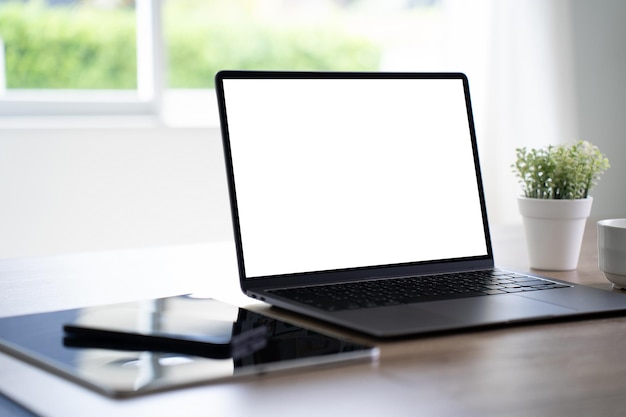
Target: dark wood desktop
[{"x": 574, "y": 368}]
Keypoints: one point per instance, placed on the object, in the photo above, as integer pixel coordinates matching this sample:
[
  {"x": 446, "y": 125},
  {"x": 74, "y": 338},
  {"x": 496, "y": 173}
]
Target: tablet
[{"x": 129, "y": 349}]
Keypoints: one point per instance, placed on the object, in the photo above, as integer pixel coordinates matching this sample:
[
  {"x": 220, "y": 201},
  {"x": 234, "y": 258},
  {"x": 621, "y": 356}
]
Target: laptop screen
[{"x": 351, "y": 172}]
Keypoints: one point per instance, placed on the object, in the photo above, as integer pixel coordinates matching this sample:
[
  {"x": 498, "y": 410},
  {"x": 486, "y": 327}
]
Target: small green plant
[{"x": 560, "y": 172}]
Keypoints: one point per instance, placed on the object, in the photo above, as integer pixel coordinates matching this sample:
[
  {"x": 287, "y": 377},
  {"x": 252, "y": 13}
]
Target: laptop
[{"x": 357, "y": 199}]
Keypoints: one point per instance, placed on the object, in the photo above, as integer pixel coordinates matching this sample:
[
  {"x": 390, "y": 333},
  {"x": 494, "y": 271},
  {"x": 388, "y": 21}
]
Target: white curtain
[{"x": 518, "y": 57}]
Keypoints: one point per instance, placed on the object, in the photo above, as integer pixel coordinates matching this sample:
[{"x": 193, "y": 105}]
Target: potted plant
[{"x": 556, "y": 181}]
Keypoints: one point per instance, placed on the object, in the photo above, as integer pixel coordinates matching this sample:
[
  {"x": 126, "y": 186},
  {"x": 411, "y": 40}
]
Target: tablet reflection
[
  {"x": 258, "y": 343},
  {"x": 130, "y": 370}
]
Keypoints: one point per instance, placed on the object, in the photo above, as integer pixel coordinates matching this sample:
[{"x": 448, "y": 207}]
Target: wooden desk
[{"x": 562, "y": 369}]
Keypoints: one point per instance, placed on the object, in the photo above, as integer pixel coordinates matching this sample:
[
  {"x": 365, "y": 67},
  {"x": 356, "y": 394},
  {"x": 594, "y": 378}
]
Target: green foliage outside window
[
  {"x": 86, "y": 48},
  {"x": 63, "y": 47},
  {"x": 239, "y": 47}
]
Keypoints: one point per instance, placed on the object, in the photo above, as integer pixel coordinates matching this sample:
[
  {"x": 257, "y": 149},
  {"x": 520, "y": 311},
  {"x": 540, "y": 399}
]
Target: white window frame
[{"x": 144, "y": 101}]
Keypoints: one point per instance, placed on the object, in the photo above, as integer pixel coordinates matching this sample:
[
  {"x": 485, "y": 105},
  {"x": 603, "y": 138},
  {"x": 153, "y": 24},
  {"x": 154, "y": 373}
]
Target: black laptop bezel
[{"x": 348, "y": 274}]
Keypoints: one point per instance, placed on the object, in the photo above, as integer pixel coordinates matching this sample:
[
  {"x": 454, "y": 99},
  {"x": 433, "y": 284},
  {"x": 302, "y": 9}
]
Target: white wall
[
  {"x": 66, "y": 190},
  {"x": 600, "y": 72}
]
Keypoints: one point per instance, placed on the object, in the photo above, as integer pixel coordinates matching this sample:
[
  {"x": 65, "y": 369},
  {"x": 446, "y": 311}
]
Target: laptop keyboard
[{"x": 406, "y": 290}]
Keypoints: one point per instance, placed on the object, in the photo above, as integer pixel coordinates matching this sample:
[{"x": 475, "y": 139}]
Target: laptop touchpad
[{"x": 495, "y": 309}]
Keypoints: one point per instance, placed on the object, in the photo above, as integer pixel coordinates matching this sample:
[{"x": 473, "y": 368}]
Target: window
[
  {"x": 77, "y": 57},
  {"x": 159, "y": 57}
]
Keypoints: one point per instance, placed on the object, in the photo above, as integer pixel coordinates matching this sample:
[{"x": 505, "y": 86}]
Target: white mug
[{"x": 612, "y": 250}]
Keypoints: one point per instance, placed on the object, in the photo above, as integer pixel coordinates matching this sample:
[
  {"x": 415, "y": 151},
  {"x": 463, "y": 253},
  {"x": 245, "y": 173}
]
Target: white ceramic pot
[{"x": 554, "y": 231}]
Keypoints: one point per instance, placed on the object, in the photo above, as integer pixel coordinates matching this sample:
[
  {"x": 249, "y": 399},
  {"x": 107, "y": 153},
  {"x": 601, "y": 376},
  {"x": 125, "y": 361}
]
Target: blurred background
[{"x": 109, "y": 134}]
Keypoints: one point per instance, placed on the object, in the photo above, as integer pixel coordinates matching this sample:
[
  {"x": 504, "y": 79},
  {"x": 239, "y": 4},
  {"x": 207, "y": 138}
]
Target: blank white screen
[{"x": 344, "y": 173}]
